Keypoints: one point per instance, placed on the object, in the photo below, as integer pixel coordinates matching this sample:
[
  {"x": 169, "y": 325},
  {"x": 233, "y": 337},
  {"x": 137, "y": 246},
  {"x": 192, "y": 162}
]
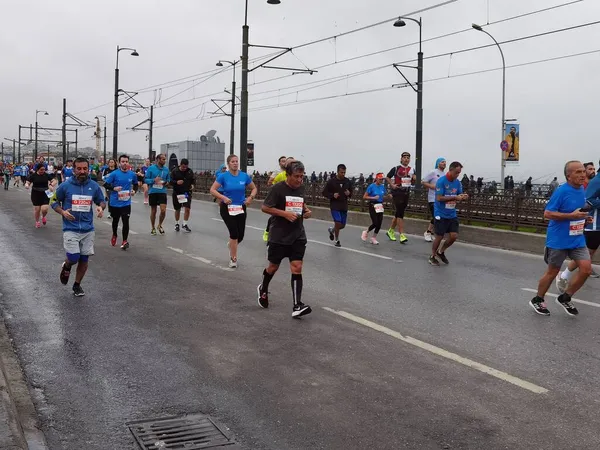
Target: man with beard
[{"x": 590, "y": 173}]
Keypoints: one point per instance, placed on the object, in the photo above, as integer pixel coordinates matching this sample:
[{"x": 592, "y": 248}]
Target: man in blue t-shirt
[
  {"x": 448, "y": 191},
  {"x": 157, "y": 177},
  {"x": 568, "y": 213}
]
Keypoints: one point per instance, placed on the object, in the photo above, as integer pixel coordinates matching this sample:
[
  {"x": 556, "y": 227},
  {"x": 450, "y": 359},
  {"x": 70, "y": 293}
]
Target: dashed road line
[
  {"x": 208, "y": 262},
  {"x": 576, "y": 300},
  {"x": 120, "y": 227},
  {"x": 443, "y": 353}
]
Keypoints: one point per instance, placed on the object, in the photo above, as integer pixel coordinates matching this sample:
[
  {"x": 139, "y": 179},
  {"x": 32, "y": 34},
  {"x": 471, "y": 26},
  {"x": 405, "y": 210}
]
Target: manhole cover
[{"x": 191, "y": 432}]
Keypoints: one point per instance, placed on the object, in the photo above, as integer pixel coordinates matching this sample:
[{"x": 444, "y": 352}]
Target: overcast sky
[{"x": 67, "y": 48}]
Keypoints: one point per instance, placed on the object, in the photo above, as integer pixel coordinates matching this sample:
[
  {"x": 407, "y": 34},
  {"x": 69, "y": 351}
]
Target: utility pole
[
  {"x": 14, "y": 148},
  {"x": 105, "y": 140},
  {"x": 419, "y": 137},
  {"x": 150, "y": 131},
  {"x": 232, "y": 132},
  {"x": 2, "y": 147},
  {"x": 19, "y": 143},
  {"x": 35, "y": 149},
  {"x": 244, "y": 99},
  {"x": 64, "y": 132},
  {"x": 76, "y": 142}
]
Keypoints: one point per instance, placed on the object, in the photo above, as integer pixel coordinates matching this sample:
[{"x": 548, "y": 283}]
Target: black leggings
[
  {"x": 235, "y": 224},
  {"x": 376, "y": 218},
  {"x": 123, "y": 214}
]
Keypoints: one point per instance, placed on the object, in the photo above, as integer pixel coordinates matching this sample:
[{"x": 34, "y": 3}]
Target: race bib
[
  {"x": 81, "y": 203},
  {"x": 124, "y": 195},
  {"x": 182, "y": 198},
  {"x": 157, "y": 186},
  {"x": 378, "y": 208},
  {"x": 406, "y": 182},
  {"x": 235, "y": 210},
  {"x": 450, "y": 205},
  {"x": 49, "y": 193},
  {"x": 576, "y": 227},
  {"x": 294, "y": 204}
]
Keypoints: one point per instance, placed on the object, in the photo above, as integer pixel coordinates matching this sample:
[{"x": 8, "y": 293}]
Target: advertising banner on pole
[
  {"x": 511, "y": 137},
  {"x": 250, "y": 148}
]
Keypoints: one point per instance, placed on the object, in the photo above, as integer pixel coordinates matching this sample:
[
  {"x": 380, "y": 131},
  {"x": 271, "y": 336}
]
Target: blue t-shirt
[
  {"x": 125, "y": 180},
  {"x": 566, "y": 234},
  {"x": 153, "y": 172},
  {"x": 234, "y": 187},
  {"x": 24, "y": 170},
  {"x": 67, "y": 172},
  {"x": 446, "y": 188},
  {"x": 376, "y": 190},
  {"x": 17, "y": 171}
]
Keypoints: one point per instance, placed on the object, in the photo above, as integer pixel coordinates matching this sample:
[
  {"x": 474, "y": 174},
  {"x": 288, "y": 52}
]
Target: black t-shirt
[
  {"x": 335, "y": 185},
  {"x": 283, "y": 197},
  {"x": 39, "y": 182},
  {"x": 187, "y": 177}
]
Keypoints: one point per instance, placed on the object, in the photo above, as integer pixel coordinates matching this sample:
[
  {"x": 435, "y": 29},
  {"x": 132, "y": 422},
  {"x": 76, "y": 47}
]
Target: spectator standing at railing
[
  {"x": 465, "y": 182},
  {"x": 553, "y": 186},
  {"x": 528, "y": 186},
  {"x": 320, "y": 177},
  {"x": 472, "y": 184},
  {"x": 479, "y": 184},
  {"x": 325, "y": 177},
  {"x": 313, "y": 177},
  {"x": 511, "y": 183},
  {"x": 361, "y": 180},
  {"x": 370, "y": 179}
]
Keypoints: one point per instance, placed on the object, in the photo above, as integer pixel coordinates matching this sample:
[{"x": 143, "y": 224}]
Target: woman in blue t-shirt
[
  {"x": 375, "y": 194},
  {"x": 230, "y": 189}
]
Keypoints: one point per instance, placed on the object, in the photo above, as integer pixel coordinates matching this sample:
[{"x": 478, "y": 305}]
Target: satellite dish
[{"x": 211, "y": 133}]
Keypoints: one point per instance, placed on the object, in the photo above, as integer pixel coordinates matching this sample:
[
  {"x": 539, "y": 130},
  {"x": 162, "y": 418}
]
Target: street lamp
[
  {"x": 244, "y": 97},
  {"x": 419, "y": 132},
  {"x": 36, "y": 131},
  {"x": 116, "y": 113},
  {"x": 502, "y": 163},
  {"x": 98, "y": 118},
  {"x": 232, "y": 131}
]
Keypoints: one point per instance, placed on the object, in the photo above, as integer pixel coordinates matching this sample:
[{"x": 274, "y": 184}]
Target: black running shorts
[
  {"x": 443, "y": 226},
  {"x": 157, "y": 199},
  {"x": 278, "y": 252}
]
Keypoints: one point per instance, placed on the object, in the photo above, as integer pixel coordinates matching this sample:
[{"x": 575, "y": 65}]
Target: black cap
[{"x": 185, "y": 161}]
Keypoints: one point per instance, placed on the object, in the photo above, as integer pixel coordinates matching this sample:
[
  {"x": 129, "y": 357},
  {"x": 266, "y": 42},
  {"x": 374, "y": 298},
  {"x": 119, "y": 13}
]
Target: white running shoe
[
  {"x": 374, "y": 241},
  {"x": 364, "y": 236},
  {"x": 232, "y": 264},
  {"x": 427, "y": 236},
  {"x": 561, "y": 283}
]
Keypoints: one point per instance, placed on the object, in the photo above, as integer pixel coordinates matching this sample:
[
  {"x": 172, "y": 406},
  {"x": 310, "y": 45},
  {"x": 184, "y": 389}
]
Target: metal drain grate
[{"x": 192, "y": 432}]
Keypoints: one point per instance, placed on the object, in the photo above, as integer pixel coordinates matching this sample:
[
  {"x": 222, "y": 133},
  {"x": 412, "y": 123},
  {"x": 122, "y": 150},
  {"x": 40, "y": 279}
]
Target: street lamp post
[
  {"x": 419, "y": 128},
  {"x": 104, "y": 144},
  {"x": 232, "y": 131},
  {"x": 502, "y": 162},
  {"x": 244, "y": 96},
  {"x": 116, "y": 112},
  {"x": 35, "y": 151}
]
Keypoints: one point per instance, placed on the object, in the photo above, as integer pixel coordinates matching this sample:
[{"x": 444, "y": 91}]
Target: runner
[
  {"x": 24, "y": 173},
  {"x": 590, "y": 173},
  {"x": 375, "y": 193},
  {"x": 287, "y": 238},
  {"x": 122, "y": 184},
  {"x": 400, "y": 178},
  {"x": 16, "y": 175},
  {"x": 73, "y": 200},
  {"x": 233, "y": 203},
  {"x": 94, "y": 169},
  {"x": 282, "y": 161},
  {"x": 448, "y": 191},
  {"x": 182, "y": 179},
  {"x": 158, "y": 177},
  {"x": 143, "y": 170},
  {"x": 67, "y": 171},
  {"x": 429, "y": 182},
  {"x": 105, "y": 171},
  {"x": 6, "y": 172},
  {"x": 338, "y": 190},
  {"x": 41, "y": 191},
  {"x": 565, "y": 238}
]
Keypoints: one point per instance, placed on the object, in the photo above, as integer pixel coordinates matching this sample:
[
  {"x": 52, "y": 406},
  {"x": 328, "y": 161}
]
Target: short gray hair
[{"x": 567, "y": 165}]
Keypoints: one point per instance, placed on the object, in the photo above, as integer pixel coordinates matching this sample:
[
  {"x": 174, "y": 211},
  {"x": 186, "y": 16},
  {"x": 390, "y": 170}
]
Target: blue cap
[
  {"x": 438, "y": 161},
  {"x": 221, "y": 167}
]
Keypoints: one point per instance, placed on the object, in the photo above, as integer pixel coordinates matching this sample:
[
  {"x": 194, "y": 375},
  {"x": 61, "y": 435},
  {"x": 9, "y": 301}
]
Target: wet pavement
[{"x": 397, "y": 354}]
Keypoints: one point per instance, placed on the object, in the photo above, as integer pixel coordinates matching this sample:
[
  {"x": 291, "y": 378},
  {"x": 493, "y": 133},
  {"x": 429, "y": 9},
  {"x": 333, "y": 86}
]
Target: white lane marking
[
  {"x": 120, "y": 227},
  {"x": 134, "y": 201},
  {"x": 576, "y": 300},
  {"x": 178, "y": 250},
  {"x": 443, "y": 353},
  {"x": 199, "y": 258}
]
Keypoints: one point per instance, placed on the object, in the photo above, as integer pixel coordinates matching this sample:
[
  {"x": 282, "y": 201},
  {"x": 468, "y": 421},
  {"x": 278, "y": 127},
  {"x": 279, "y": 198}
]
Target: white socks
[{"x": 567, "y": 274}]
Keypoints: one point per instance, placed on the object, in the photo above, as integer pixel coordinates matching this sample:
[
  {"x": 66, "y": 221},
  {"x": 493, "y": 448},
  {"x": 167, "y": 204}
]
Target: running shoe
[
  {"x": 109, "y": 216},
  {"x": 124, "y": 245},
  {"x": 539, "y": 306},
  {"x": 428, "y": 236},
  {"x": 594, "y": 274},
  {"x": 433, "y": 261},
  {"x": 364, "y": 236},
  {"x": 176, "y": 227},
  {"x": 300, "y": 309},
  {"x": 153, "y": 232},
  {"x": 331, "y": 236},
  {"x": 186, "y": 229},
  {"x": 442, "y": 256},
  {"x": 391, "y": 234},
  {"x": 77, "y": 291},
  {"x": 337, "y": 243},
  {"x": 44, "y": 221},
  {"x": 161, "y": 230},
  {"x": 145, "y": 202},
  {"x": 232, "y": 264},
  {"x": 263, "y": 297},
  {"x": 65, "y": 273},
  {"x": 113, "y": 240},
  {"x": 561, "y": 284},
  {"x": 374, "y": 241},
  {"x": 403, "y": 238},
  {"x": 38, "y": 225},
  {"x": 265, "y": 236},
  {"x": 564, "y": 300}
]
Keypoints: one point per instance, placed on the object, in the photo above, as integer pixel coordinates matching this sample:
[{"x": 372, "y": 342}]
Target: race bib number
[
  {"x": 157, "y": 186},
  {"x": 49, "y": 193},
  {"x": 576, "y": 227},
  {"x": 81, "y": 203},
  {"x": 378, "y": 208},
  {"x": 235, "y": 210},
  {"x": 182, "y": 198},
  {"x": 124, "y": 195},
  {"x": 450, "y": 205},
  {"x": 406, "y": 182},
  {"x": 294, "y": 204}
]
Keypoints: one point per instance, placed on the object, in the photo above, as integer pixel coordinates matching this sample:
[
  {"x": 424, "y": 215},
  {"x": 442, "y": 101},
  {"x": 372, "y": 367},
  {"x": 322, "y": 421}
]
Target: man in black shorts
[
  {"x": 157, "y": 177},
  {"x": 182, "y": 179},
  {"x": 287, "y": 238},
  {"x": 400, "y": 179}
]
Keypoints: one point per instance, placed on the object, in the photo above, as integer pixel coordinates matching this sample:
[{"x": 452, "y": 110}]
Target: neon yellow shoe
[
  {"x": 266, "y": 236},
  {"x": 391, "y": 233},
  {"x": 403, "y": 238}
]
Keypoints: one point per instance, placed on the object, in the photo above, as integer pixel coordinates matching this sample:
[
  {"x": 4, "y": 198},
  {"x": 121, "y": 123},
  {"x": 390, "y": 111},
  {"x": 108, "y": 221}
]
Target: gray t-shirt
[{"x": 432, "y": 178}]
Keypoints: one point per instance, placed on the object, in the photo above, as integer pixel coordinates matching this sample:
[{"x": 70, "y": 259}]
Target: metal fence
[{"x": 514, "y": 210}]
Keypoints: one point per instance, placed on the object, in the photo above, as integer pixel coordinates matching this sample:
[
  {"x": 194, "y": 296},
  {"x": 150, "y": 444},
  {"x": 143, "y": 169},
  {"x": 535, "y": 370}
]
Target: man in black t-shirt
[
  {"x": 182, "y": 179},
  {"x": 287, "y": 238}
]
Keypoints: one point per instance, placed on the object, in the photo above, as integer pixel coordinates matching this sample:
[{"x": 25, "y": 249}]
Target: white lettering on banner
[
  {"x": 124, "y": 195},
  {"x": 182, "y": 198},
  {"x": 294, "y": 204},
  {"x": 235, "y": 210},
  {"x": 81, "y": 203},
  {"x": 450, "y": 205},
  {"x": 406, "y": 182},
  {"x": 378, "y": 208},
  {"x": 49, "y": 193},
  {"x": 576, "y": 227}
]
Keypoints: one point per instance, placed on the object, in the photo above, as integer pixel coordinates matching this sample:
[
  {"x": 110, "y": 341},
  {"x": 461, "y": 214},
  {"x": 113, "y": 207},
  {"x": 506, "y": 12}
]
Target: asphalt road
[{"x": 397, "y": 354}]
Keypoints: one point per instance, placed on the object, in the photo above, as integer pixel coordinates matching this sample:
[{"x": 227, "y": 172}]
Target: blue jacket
[
  {"x": 153, "y": 172},
  {"x": 73, "y": 195},
  {"x": 592, "y": 195}
]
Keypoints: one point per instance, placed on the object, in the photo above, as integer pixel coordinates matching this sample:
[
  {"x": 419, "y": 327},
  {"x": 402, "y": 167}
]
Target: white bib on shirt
[
  {"x": 450, "y": 205},
  {"x": 576, "y": 227},
  {"x": 378, "y": 208},
  {"x": 294, "y": 204},
  {"x": 124, "y": 195},
  {"x": 235, "y": 210},
  {"x": 406, "y": 182},
  {"x": 81, "y": 203},
  {"x": 182, "y": 198}
]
